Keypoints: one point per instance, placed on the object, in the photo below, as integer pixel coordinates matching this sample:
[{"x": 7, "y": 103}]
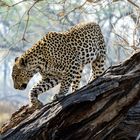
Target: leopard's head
[{"x": 21, "y": 75}]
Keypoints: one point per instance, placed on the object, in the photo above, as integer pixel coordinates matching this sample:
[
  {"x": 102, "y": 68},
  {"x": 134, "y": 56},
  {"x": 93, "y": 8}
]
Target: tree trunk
[
  {"x": 100, "y": 110},
  {"x": 129, "y": 128}
]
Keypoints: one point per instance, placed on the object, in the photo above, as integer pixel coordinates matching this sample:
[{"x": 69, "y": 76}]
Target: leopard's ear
[
  {"x": 16, "y": 59},
  {"x": 22, "y": 62}
]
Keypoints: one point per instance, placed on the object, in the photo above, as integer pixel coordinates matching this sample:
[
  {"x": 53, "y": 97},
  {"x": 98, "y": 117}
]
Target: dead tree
[{"x": 100, "y": 110}]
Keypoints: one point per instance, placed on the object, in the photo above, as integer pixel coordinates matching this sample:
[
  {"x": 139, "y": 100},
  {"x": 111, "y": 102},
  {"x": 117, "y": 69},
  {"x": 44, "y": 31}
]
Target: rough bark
[
  {"x": 129, "y": 128},
  {"x": 98, "y": 111}
]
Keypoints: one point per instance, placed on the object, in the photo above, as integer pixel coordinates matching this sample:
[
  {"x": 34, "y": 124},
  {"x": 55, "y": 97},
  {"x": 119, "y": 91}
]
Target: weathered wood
[
  {"x": 129, "y": 128},
  {"x": 92, "y": 113}
]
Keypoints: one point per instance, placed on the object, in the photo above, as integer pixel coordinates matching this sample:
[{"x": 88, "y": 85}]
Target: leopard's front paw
[{"x": 37, "y": 104}]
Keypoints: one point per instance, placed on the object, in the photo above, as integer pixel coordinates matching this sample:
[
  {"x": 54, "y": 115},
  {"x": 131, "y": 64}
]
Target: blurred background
[{"x": 24, "y": 22}]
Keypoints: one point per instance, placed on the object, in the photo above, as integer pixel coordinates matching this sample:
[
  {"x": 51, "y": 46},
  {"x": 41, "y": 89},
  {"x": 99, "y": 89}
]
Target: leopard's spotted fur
[{"x": 60, "y": 58}]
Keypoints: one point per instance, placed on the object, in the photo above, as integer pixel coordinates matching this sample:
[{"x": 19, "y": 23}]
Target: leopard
[{"x": 59, "y": 57}]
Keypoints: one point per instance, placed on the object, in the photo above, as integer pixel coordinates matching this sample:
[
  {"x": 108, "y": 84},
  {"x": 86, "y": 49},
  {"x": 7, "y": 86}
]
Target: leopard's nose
[{"x": 16, "y": 87}]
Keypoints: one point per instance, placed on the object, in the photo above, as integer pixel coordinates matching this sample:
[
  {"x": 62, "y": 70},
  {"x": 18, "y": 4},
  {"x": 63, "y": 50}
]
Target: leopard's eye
[{"x": 16, "y": 59}]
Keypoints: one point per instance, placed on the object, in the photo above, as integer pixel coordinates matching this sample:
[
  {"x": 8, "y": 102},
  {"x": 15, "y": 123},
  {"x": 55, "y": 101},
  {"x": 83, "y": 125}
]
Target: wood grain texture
[{"x": 98, "y": 111}]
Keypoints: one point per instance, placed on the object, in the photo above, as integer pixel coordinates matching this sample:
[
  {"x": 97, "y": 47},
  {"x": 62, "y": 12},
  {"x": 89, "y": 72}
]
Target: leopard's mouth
[{"x": 23, "y": 86}]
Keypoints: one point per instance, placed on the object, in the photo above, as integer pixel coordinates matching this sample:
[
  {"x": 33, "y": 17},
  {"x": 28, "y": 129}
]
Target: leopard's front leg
[
  {"x": 72, "y": 75},
  {"x": 44, "y": 85}
]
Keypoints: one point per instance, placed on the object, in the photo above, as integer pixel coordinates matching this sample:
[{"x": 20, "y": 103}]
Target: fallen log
[{"x": 94, "y": 112}]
